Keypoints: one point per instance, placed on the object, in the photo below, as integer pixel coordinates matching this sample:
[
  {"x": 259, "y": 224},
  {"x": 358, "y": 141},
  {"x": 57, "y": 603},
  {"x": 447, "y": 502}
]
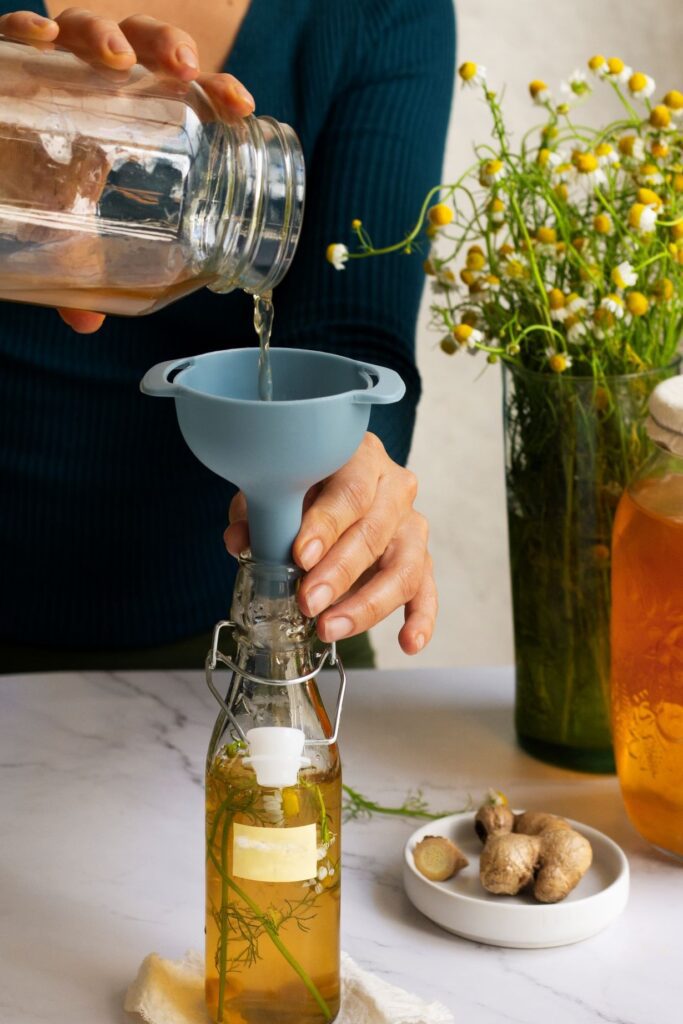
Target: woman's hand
[
  {"x": 364, "y": 549},
  {"x": 162, "y": 48}
]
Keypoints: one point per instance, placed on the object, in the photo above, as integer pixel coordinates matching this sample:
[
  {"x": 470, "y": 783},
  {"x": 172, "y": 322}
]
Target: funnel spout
[{"x": 273, "y": 525}]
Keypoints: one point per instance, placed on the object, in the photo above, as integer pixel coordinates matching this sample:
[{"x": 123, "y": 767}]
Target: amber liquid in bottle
[
  {"x": 272, "y": 948},
  {"x": 647, "y": 658}
]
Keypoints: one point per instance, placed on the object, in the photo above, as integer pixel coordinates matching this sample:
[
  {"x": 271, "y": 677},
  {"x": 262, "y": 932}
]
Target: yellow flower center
[
  {"x": 561, "y": 191},
  {"x": 468, "y": 277},
  {"x": 467, "y": 71},
  {"x": 615, "y": 65},
  {"x": 462, "y": 333},
  {"x": 585, "y": 163},
  {"x": 659, "y": 149},
  {"x": 579, "y": 243},
  {"x": 556, "y": 298},
  {"x": 448, "y": 345},
  {"x": 475, "y": 260},
  {"x": 678, "y": 183},
  {"x": 635, "y": 213},
  {"x": 558, "y": 362},
  {"x": 603, "y": 223},
  {"x": 546, "y": 235},
  {"x": 440, "y": 215},
  {"x": 596, "y": 62},
  {"x": 493, "y": 167},
  {"x": 544, "y": 156},
  {"x": 537, "y": 87},
  {"x": 626, "y": 144},
  {"x": 637, "y": 82},
  {"x": 637, "y": 304},
  {"x": 505, "y": 251},
  {"x": 604, "y": 149},
  {"x": 571, "y": 321},
  {"x": 674, "y": 99},
  {"x": 428, "y": 267},
  {"x": 496, "y": 206},
  {"x": 356, "y": 224},
  {"x": 663, "y": 290},
  {"x": 492, "y": 281},
  {"x": 660, "y": 116},
  {"x": 648, "y": 197},
  {"x": 677, "y": 231},
  {"x": 515, "y": 269}
]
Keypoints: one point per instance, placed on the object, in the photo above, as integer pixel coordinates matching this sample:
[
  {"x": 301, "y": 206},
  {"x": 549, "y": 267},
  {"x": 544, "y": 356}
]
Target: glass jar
[
  {"x": 647, "y": 631},
  {"x": 273, "y": 825},
  {"x": 121, "y": 194},
  {"x": 572, "y": 444}
]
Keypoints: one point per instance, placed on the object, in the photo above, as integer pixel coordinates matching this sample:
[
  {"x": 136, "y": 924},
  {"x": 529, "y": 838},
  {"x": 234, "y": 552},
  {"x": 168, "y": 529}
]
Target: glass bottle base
[{"x": 598, "y": 761}]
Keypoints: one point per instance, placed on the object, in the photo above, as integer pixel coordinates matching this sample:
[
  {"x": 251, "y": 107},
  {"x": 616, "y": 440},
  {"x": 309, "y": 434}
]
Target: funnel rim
[{"x": 363, "y": 388}]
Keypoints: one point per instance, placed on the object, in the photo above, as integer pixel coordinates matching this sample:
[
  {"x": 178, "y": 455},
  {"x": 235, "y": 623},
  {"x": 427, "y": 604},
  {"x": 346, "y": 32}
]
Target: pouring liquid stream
[{"x": 263, "y": 325}]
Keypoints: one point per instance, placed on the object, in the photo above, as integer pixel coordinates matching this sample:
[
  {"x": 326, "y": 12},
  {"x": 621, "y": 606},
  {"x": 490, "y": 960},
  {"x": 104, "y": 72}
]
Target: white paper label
[{"x": 274, "y": 854}]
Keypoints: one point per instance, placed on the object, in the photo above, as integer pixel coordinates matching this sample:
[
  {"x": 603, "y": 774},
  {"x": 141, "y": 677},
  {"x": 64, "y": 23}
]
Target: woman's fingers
[
  {"x": 162, "y": 47},
  {"x": 228, "y": 95},
  {"x": 28, "y": 27},
  {"x": 98, "y": 41},
  {"x": 82, "y": 321},
  {"x": 236, "y": 537},
  {"x": 397, "y": 582},
  {"x": 344, "y": 498},
  {"x": 358, "y": 548},
  {"x": 421, "y": 614}
]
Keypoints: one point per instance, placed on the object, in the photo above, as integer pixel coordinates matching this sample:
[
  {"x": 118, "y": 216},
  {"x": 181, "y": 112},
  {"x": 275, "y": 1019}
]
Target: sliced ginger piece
[{"x": 437, "y": 858}]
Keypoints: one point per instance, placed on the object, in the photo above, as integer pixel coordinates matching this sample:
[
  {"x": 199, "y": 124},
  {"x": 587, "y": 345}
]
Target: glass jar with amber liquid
[
  {"x": 273, "y": 804},
  {"x": 647, "y": 631}
]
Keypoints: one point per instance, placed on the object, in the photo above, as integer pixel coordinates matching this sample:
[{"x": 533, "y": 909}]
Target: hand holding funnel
[{"x": 273, "y": 451}]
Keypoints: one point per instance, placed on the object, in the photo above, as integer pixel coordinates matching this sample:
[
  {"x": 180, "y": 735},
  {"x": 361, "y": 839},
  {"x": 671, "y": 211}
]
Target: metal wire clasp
[{"x": 329, "y": 654}]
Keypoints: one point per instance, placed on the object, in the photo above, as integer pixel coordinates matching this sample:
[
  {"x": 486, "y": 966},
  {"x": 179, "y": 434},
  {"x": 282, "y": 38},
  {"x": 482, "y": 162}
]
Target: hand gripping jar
[
  {"x": 647, "y": 630},
  {"x": 119, "y": 194}
]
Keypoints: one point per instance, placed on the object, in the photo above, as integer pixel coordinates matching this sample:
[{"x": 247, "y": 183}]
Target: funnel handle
[
  {"x": 384, "y": 387},
  {"x": 156, "y": 382}
]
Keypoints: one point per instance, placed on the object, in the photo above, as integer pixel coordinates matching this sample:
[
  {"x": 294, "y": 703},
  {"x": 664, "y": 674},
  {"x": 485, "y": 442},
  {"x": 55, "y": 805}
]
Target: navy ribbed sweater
[{"x": 110, "y": 530}]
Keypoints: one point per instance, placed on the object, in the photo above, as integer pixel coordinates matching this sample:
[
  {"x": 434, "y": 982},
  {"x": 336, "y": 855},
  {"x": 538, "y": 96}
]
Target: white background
[{"x": 458, "y": 448}]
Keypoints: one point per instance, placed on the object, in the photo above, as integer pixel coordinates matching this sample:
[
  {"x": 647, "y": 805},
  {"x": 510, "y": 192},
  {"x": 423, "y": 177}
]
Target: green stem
[
  {"x": 225, "y": 903},
  {"x": 271, "y": 932}
]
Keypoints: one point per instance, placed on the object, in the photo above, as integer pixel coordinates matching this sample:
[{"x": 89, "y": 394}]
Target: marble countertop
[{"x": 101, "y": 851}]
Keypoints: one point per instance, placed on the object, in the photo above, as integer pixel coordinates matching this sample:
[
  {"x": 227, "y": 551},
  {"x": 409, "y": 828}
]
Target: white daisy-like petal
[
  {"x": 337, "y": 254},
  {"x": 614, "y": 304},
  {"x": 624, "y": 276}
]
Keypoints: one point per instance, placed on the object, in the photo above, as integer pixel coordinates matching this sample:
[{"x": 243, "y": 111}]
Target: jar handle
[
  {"x": 156, "y": 382},
  {"x": 384, "y": 386}
]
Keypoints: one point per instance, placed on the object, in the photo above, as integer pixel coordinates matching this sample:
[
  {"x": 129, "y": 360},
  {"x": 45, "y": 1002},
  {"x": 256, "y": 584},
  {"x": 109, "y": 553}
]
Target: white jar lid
[{"x": 665, "y": 422}]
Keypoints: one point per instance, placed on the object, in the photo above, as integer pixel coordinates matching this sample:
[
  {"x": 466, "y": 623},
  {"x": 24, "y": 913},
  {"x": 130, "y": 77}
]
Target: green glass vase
[{"x": 572, "y": 443}]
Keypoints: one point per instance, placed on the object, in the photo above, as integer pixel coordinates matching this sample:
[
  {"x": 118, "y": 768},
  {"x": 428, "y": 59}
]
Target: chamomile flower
[
  {"x": 606, "y": 154},
  {"x": 617, "y": 71},
  {"x": 589, "y": 170},
  {"x": 650, "y": 174},
  {"x": 576, "y": 304},
  {"x": 444, "y": 280},
  {"x": 632, "y": 146},
  {"x": 472, "y": 74},
  {"x": 558, "y": 362},
  {"x": 491, "y": 171},
  {"x": 649, "y": 198},
  {"x": 577, "y": 84},
  {"x": 598, "y": 65},
  {"x": 603, "y": 224},
  {"x": 576, "y": 329},
  {"x": 663, "y": 290},
  {"x": 557, "y": 303},
  {"x": 549, "y": 157},
  {"x": 642, "y": 218},
  {"x": 272, "y": 807},
  {"x": 614, "y": 304},
  {"x": 563, "y": 172},
  {"x": 641, "y": 85},
  {"x": 337, "y": 254},
  {"x": 624, "y": 276},
  {"x": 467, "y": 336},
  {"x": 660, "y": 116},
  {"x": 539, "y": 92},
  {"x": 674, "y": 101},
  {"x": 637, "y": 304},
  {"x": 440, "y": 215},
  {"x": 497, "y": 211}
]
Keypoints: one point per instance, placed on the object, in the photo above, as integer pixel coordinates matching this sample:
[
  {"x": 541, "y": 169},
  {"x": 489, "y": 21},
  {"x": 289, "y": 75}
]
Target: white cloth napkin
[{"x": 172, "y": 992}]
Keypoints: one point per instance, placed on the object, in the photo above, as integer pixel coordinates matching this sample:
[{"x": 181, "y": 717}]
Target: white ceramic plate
[{"x": 462, "y": 906}]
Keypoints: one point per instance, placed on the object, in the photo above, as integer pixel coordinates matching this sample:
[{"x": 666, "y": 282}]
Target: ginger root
[
  {"x": 530, "y": 848},
  {"x": 437, "y": 858}
]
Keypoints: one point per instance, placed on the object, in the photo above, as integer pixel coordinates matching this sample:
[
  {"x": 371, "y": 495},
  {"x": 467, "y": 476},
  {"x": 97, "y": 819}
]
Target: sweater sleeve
[{"x": 378, "y": 153}]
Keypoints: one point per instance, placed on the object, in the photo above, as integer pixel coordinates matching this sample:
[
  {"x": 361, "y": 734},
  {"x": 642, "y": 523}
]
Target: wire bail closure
[{"x": 214, "y": 656}]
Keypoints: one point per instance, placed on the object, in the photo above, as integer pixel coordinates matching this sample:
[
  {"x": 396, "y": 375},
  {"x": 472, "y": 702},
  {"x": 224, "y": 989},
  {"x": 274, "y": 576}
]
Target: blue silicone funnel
[{"x": 273, "y": 451}]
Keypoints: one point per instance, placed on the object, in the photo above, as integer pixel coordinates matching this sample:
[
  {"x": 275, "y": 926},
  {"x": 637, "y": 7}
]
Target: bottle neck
[
  {"x": 274, "y": 639},
  {"x": 263, "y": 199}
]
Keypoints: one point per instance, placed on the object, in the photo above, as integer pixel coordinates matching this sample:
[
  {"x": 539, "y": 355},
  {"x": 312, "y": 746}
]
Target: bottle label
[{"x": 274, "y": 854}]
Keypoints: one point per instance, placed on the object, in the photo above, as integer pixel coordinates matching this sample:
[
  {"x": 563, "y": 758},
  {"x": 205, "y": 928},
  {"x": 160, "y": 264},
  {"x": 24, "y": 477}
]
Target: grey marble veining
[{"x": 101, "y": 849}]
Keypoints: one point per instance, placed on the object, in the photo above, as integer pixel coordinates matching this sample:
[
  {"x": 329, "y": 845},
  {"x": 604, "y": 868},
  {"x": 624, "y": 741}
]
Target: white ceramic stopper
[
  {"x": 275, "y": 754},
  {"x": 665, "y": 422}
]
